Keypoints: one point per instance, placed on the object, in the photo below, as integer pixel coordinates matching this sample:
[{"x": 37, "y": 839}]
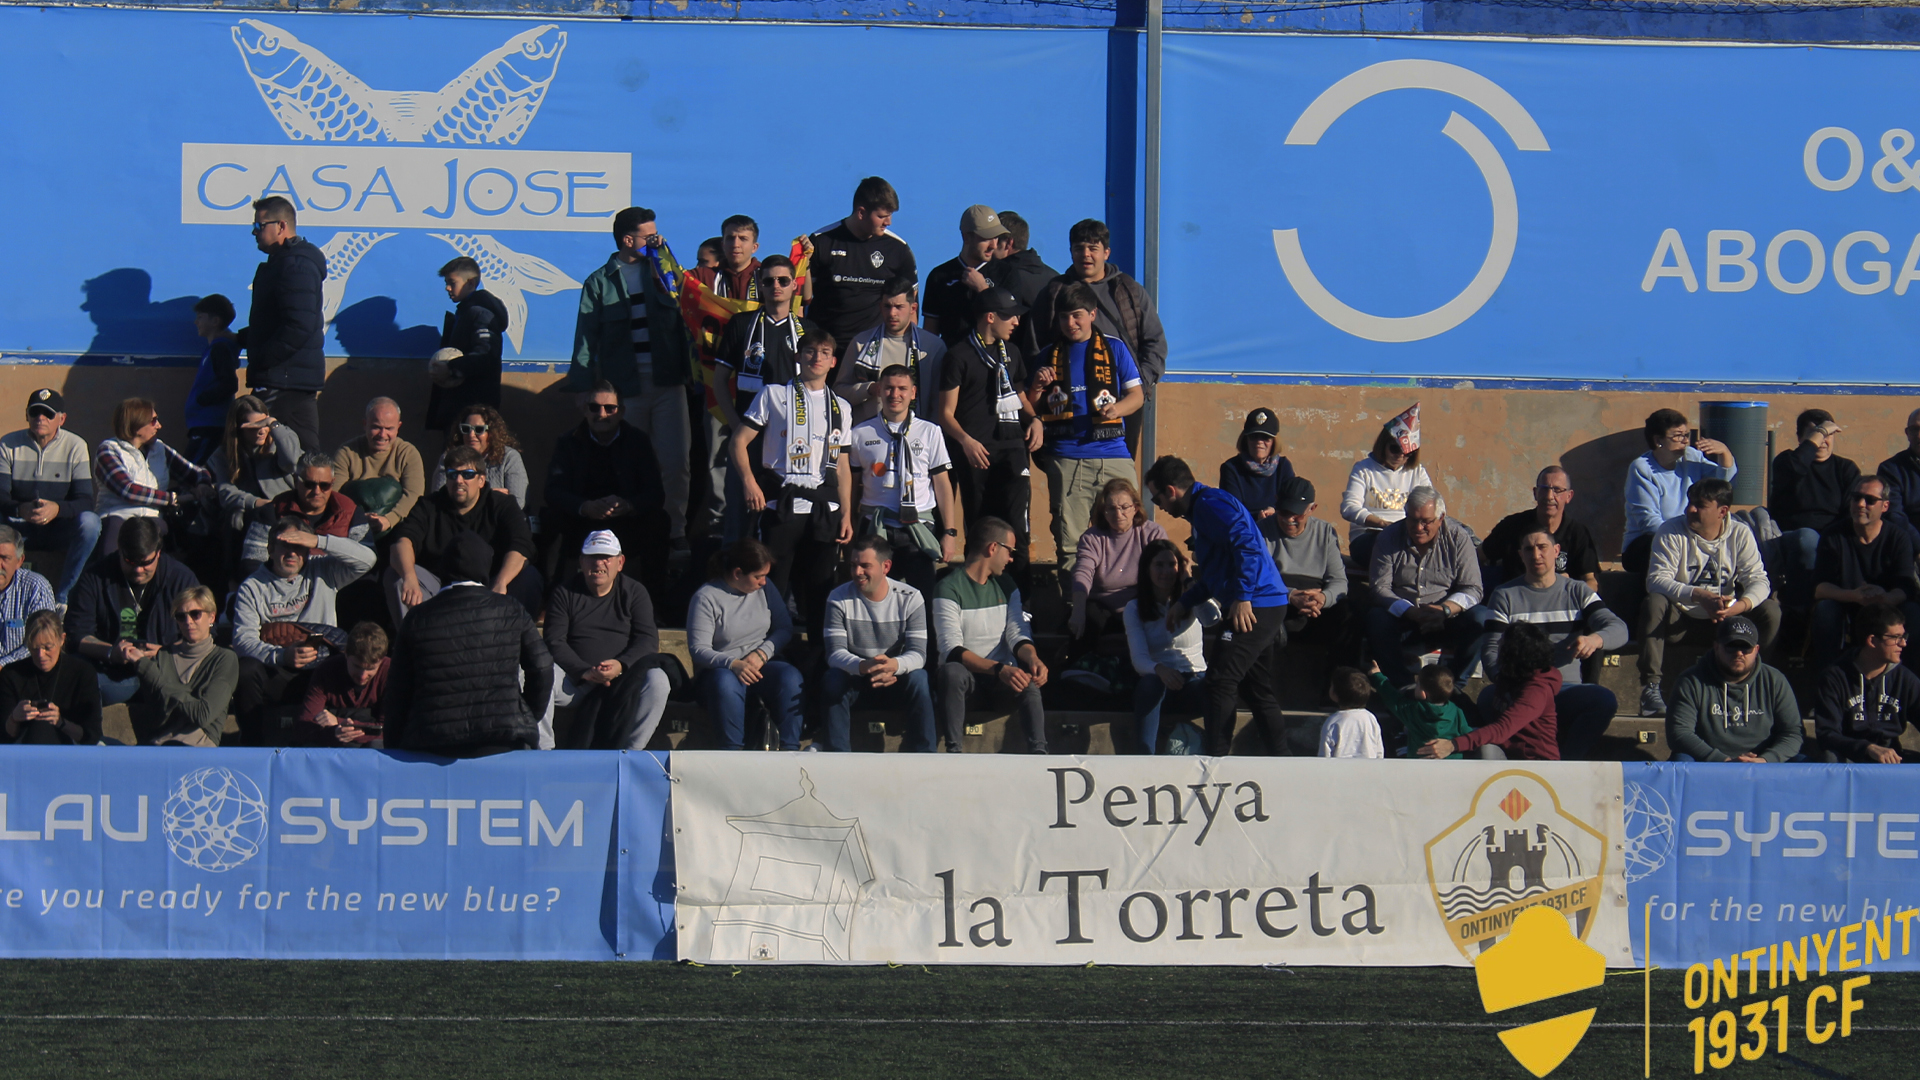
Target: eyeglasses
[
  {"x": 1863, "y": 497},
  {"x": 192, "y": 615},
  {"x": 602, "y": 410},
  {"x": 1893, "y": 637},
  {"x": 463, "y": 474},
  {"x": 473, "y": 429},
  {"x": 1545, "y": 490},
  {"x": 1740, "y": 647},
  {"x": 777, "y": 282},
  {"x": 1121, "y": 508},
  {"x": 313, "y": 485}
]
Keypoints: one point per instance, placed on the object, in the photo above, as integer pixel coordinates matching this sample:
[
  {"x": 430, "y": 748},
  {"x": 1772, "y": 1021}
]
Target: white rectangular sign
[
  {"x": 986, "y": 859},
  {"x": 385, "y": 186}
]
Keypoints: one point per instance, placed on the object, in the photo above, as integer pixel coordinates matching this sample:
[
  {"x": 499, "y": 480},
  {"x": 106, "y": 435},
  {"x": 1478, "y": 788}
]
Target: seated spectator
[
  {"x": 315, "y": 501},
  {"x": 284, "y": 614},
  {"x": 484, "y": 430},
  {"x": 22, "y": 592},
  {"x": 46, "y": 487},
  {"x": 1866, "y": 701},
  {"x": 1807, "y": 496},
  {"x": 1083, "y": 387},
  {"x": 1424, "y": 711},
  {"x": 1352, "y": 731},
  {"x": 216, "y": 380},
  {"x": 49, "y": 697},
  {"x": 1426, "y": 589},
  {"x": 1106, "y": 570},
  {"x": 1306, "y": 551},
  {"x": 381, "y": 454},
  {"x": 1257, "y": 473},
  {"x": 185, "y": 688},
  {"x": 1524, "y": 724},
  {"x": 138, "y": 475},
  {"x": 1732, "y": 707},
  {"x": 1378, "y": 485},
  {"x": 606, "y": 654},
  {"x": 877, "y": 650},
  {"x": 255, "y": 462},
  {"x": 1577, "y": 625},
  {"x": 736, "y": 627},
  {"x": 896, "y": 341},
  {"x": 604, "y": 476},
  {"x": 344, "y": 703},
  {"x": 122, "y": 609},
  {"x": 1704, "y": 568},
  {"x": 987, "y": 656},
  {"x": 1902, "y": 474},
  {"x": 469, "y": 376},
  {"x": 1170, "y": 660},
  {"x": 1658, "y": 480},
  {"x": 904, "y": 470},
  {"x": 1579, "y": 556},
  {"x": 470, "y": 675},
  {"x": 1866, "y": 562},
  {"x": 424, "y": 547}
]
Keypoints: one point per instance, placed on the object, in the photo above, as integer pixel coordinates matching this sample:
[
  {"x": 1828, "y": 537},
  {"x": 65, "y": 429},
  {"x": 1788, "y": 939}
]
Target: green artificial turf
[{"x": 424, "y": 1020}]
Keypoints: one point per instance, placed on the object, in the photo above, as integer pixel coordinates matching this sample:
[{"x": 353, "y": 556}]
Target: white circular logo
[
  {"x": 215, "y": 819},
  {"x": 1649, "y": 824},
  {"x": 1468, "y": 86}
]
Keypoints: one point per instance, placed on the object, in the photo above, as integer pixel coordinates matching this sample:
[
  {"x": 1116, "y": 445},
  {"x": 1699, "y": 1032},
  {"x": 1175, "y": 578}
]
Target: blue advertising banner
[
  {"x": 405, "y": 141},
  {"x": 646, "y": 879},
  {"x": 1345, "y": 205},
  {"x": 1739, "y": 857},
  {"x": 321, "y": 853}
]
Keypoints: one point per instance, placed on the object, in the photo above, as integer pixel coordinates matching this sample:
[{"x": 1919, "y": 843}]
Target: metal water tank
[{"x": 1742, "y": 425}]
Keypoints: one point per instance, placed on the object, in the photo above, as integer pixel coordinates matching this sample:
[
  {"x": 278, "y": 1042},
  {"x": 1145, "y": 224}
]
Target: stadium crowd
[{"x": 868, "y": 436}]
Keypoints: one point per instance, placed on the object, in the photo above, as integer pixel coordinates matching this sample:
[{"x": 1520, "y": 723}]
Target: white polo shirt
[
  {"x": 799, "y": 434},
  {"x": 894, "y": 463}
]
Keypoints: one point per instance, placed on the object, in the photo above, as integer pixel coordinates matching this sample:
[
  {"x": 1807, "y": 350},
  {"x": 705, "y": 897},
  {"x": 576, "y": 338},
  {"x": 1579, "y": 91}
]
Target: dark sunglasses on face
[
  {"x": 777, "y": 282},
  {"x": 193, "y": 615},
  {"x": 1870, "y": 500},
  {"x": 602, "y": 410},
  {"x": 258, "y": 226},
  {"x": 142, "y": 564},
  {"x": 1740, "y": 647},
  {"x": 314, "y": 485},
  {"x": 463, "y": 474},
  {"x": 473, "y": 429}
]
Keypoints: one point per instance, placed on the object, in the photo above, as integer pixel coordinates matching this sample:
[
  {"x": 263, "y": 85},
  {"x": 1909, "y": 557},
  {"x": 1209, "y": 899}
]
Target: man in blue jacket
[
  {"x": 1235, "y": 568},
  {"x": 286, "y": 329}
]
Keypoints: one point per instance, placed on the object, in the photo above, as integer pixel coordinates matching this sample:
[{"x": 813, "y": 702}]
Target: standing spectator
[
  {"x": 1579, "y": 555},
  {"x": 474, "y": 333},
  {"x": 1352, "y": 731},
  {"x": 1703, "y": 569},
  {"x": 1106, "y": 566},
  {"x": 986, "y": 652},
  {"x": 736, "y": 627},
  {"x": 606, "y": 654},
  {"x": 22, "y": 592},
  {"x": 314, "y": 502},
  {"x": 1123, "y": 310},
  {"x": 1016, "y": 267},
  {"x": 850, "y": 263},
  {"x": 1866, "y": 701},
  {"x": 1236, "y": 569},
  {"x": 139, "y": 475},
  {"x": 1424, "y": 711},
  {"x": 122, "y": 609},
  {"x": 735, "y": 272},
  {"x": 803, "y": 498},
  {"x": 382, "y": 454},
  {"x": 470, "y": 675},
  {"x": 1867, "y": 562},
  {"x": 1378, "y": 485},
  {"x": 424, "y": 547},
  {"x": 484, "y": 431},
  {"x": 343, "y": 705},
  {"x": 1902, "y": 474},
  {"x": 903, "y": 468},
  {"x": 291, "y": 588},
  {"x": 1084, "y": 387},
  {"x": 1520, "y": 701},
  {"x": 1577, "y": 625},
  {"x": 1732, "y": 707},
  {"x": 758, "y": 348},
  {"x": 46, "y": 486},
  {"x": 604, "y": 476},
  {"x": 48, "y": 696},
  {"x": 1306, "y": 550},
  {"x": 896, "y": 341},
  {"x": 286, "y": 329},
  {"x": 1658, "y": 481},
  {"x": 216, "y": 380},
  {"x": 1807, "y": 496},
  {"x": 1426, "y": 588},
  {"x": 952, "y": 285},
  {"x": 630, "y": 335},
  {"x": 1257, "y": 473},
  {"x": 255, "y": 463},
  {"x": 877, "y": 649},
  {"x": 186, "y": 687},
  {"x": 1169, "y": 659},
  {"x": 989, "y": 424}
]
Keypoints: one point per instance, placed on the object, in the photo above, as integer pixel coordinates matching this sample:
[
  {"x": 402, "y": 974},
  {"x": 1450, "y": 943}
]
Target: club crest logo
[{"x": 876, "y": 259}]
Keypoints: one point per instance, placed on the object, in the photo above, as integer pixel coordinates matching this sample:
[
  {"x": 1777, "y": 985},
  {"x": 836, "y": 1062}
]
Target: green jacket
[
  {"x": 1712, "y": 718},
  {"x": 1424, "y": 720},
  {"x": 165, "y": 705},
  {"x": 603, "y": 334}
]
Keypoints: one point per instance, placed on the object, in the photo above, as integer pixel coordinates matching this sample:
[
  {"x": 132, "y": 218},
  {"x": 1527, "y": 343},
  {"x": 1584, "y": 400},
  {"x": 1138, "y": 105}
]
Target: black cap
[
  {"x": 1261, "y": 421},
  {"x": 1295, "y": 496},
  {"x": 997, "y": 301},
  {"x": 47, "y": 401},
  {"x": 1739, "y": 628}
]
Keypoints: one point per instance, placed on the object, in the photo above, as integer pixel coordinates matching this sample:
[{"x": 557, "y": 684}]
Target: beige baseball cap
[{"x": 982, "y": 222}]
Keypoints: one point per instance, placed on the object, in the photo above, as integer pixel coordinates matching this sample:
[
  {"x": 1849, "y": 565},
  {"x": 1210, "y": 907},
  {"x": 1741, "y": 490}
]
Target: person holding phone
[
  {"x": 278, "y": 610},
  {"x": 342, "y": 706},
  {"x": 50, "y": 697},
  {"x": 185, "y": 688}
]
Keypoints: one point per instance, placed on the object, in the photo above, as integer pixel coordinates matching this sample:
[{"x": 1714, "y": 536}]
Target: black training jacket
[{"x": 455, "y": 679}]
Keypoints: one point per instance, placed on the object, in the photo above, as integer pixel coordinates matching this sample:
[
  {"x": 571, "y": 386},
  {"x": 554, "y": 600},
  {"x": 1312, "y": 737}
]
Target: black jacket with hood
[{"x": 286, "y": 329}]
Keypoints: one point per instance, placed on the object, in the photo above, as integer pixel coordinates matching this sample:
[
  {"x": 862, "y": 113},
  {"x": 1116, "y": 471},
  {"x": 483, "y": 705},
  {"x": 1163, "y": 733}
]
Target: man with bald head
[
  {"x": 1902, "y": 473},
  {"x": 1578, "y": 559},
  {"x": 381, "y": 452}
]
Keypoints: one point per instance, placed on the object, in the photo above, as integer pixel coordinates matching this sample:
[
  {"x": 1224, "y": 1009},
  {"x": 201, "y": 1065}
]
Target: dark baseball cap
[
  {"x": 1739, "y": 628},
  {"x": 47, "y": 401},
  {"x": 1295, "y": 496},
  {"x": 997, "y": 301},
  {"x": 1261, "y": 421}
]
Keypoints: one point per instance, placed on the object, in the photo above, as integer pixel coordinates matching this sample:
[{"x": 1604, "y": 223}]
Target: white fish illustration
[
  {"x": 343, "y": 252},
  {"x": 509, "y": 274}
]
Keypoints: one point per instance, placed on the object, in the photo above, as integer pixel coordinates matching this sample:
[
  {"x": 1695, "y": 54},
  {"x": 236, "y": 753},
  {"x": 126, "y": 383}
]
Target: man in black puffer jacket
[
  {"x": 470, "y": 675},
  {"x": 287, "y": 328}
]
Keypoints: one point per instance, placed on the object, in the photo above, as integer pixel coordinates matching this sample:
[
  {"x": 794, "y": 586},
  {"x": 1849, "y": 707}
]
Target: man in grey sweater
[
  {"x": 1577, "y": 623},
  {"x": 1426, "y": 588},
  {"x": 288, "y": 588},
  {"x": 1732, "y": 707},
  {"x": 876, "y": 649},
  {"x": 1307, "y": 553},
  {"x": 605, "y": 649},
  {"x": 1704, "y": 568}
]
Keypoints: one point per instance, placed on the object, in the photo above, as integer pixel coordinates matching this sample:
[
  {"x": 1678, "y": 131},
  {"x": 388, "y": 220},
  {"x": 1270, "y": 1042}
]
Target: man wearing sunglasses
[
  {"x": 1868, "y": 562},
  {"x": 423, "y": 545},
  {"x": 1732, "y": 707},
  {"x": 315, "y": 501},
  {"x": 1902, "y": 474},
  {"x": 46, "y": 486},
  {"x": 286, "y": 329},
  {"x": 604, "y": 476},
  {"x": 122, "y": 608}
]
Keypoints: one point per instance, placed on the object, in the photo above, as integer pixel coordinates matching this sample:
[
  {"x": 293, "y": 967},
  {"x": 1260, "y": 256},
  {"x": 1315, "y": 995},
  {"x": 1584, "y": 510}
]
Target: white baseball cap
[{"x": 601, "y": 542}]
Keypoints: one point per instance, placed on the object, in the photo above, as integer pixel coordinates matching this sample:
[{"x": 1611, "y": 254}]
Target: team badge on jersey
[{"x": 876, "y": 258}]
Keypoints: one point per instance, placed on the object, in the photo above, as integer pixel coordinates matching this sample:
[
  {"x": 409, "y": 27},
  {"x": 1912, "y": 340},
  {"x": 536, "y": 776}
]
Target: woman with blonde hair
[
  {"x": 186, "y": 687},
  {"x": 1106, "y": 565}
]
